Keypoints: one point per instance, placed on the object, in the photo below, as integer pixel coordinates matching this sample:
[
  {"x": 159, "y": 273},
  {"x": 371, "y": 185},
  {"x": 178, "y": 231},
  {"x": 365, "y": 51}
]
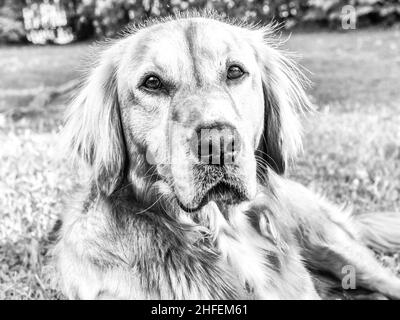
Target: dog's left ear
[{"x": 284, "y": 99}]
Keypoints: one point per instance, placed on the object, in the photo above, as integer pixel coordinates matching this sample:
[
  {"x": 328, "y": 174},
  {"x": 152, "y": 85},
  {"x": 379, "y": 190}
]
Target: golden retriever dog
[{"x": 187, "y": 125}]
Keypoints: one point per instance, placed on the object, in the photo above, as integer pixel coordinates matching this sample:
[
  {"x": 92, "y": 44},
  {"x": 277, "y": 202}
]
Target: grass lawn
[{"x": 352, "y": 143}]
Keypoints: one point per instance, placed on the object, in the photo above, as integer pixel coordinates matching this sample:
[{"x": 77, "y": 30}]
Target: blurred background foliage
[{"x": 104, "y": 18}]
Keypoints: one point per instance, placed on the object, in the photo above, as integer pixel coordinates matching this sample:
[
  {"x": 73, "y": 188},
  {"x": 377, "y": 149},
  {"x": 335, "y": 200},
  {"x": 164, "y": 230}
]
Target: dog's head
[{"x": 200, "y": 109}]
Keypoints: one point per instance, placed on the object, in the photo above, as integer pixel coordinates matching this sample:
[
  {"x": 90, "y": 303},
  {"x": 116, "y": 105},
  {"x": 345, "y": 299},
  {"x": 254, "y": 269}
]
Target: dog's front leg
[
  {"x": 348, "y": 260},
  {"x": 332, "y": 241}
]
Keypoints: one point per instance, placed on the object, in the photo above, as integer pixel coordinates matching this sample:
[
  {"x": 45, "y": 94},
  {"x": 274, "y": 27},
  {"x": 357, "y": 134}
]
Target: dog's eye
[
  {"x": 234, "y": 72},
  {"x": 152, "y": 83}
]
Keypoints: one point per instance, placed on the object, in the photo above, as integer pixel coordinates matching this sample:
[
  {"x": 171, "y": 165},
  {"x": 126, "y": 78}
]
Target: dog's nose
[{"x": 216, "y": 144}]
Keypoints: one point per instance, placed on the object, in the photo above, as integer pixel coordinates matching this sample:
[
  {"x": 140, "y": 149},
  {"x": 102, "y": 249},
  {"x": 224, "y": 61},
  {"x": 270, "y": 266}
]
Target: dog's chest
[
  {"x": 248, "y": 260},
  {"x": 253, "y": 259},
  {"x": 243, "y": 264}
]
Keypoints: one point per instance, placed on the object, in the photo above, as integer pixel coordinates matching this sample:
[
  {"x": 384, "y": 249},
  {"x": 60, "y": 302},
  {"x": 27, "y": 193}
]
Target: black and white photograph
[{"x": 200, "y": 150}]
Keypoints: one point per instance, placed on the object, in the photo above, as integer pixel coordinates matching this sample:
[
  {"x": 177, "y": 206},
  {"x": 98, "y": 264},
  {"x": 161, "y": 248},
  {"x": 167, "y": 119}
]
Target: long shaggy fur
[{"x": 129, "y": 237}]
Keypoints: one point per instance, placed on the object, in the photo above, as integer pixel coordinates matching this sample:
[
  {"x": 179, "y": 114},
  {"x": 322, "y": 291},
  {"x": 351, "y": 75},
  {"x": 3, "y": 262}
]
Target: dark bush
[
  {"x": 100, "y": 19},
  {"x": 11, "y": 25}
]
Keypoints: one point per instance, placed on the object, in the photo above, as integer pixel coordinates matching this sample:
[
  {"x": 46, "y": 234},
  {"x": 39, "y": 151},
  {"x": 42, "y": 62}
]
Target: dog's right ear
[{"x": 93, "y": 129}]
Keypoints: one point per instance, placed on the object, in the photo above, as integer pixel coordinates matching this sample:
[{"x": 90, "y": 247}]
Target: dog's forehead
[
  {"x": 183, "y": 42},
  {"x": 206, "y": 36}
]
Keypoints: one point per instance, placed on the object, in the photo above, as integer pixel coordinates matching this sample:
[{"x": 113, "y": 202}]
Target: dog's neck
[
  {"x": 245, "y": 239},
  {"x": 213, "y": 219}
]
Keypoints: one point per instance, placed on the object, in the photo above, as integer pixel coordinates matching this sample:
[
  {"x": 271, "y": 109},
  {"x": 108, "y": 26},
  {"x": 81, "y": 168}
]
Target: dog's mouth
[{"x": 218, "y": 184}]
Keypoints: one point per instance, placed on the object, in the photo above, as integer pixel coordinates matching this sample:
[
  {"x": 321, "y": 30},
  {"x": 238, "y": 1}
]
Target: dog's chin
[{"x": 223, "y": 193}]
